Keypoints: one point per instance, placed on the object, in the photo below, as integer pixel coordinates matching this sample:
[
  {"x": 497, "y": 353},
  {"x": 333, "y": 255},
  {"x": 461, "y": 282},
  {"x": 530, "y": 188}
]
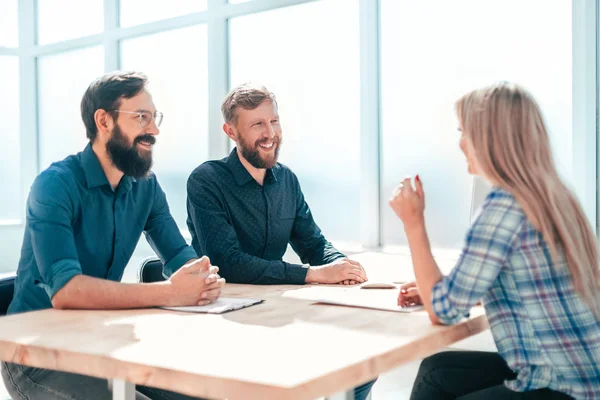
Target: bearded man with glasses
[{"x": 85, "y": 215}]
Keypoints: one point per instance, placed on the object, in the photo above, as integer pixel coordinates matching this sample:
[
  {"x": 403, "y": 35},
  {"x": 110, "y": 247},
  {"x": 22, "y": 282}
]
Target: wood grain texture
[{"x": 285, "y": 348}]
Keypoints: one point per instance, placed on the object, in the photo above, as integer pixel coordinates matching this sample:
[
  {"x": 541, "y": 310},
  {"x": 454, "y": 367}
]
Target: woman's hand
[
  {"x": 409, "y": 295},
  {"x": 409, "y": 203}
]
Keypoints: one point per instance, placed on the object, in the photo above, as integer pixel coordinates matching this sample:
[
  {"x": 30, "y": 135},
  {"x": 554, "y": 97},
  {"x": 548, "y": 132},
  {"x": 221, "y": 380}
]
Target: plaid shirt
[{"x": 542, "y": 328}]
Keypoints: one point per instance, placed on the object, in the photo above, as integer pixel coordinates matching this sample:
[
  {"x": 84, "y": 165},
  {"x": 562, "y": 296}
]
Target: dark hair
[
  {"x": 247, "y": 96},
  {"x": 105, "y": 93}
]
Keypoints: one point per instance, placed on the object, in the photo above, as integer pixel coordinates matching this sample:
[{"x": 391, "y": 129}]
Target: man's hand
[
  {"x": 409, "y": 295},
  {"x": 344, "y": 271},
  {"x": 196, "y": 283}
]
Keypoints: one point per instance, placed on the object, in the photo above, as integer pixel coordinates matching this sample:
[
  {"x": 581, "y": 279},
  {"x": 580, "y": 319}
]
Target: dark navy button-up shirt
[
  {"x": 76, "y": 224},
  {"x": 245, "y": 228}
]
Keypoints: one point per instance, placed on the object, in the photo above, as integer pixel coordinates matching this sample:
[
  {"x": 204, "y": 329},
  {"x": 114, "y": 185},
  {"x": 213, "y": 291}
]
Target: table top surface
[{"x": 286, "y": 347}]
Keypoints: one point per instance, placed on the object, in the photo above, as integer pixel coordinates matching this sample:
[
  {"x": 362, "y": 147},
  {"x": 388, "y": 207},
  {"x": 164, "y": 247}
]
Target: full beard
[
  {"x": 253, "y": 156},
  {"x": 127, "y": 158}
]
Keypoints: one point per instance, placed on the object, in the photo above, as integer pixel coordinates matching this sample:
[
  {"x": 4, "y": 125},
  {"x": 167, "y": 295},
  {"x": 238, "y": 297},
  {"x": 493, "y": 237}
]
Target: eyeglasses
[{"x": 145, "y": 117}]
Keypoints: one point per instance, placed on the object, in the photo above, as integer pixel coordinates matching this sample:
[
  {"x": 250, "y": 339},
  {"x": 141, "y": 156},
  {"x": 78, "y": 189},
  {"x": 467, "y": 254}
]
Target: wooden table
[{"x": 285, "y": 348}]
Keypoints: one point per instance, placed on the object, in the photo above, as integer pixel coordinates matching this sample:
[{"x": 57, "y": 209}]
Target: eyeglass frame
[{"x": 141, "y": 115}]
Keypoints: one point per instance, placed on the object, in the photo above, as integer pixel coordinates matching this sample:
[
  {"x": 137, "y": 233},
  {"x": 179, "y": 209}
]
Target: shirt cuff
[
  {"x": 332, "y": 254},
  {"x": 185, "y": 254},
  {"x": 62, "y": 272},
  {"x": 446, "y": 312},
  {"x": 295, "y": 274}
]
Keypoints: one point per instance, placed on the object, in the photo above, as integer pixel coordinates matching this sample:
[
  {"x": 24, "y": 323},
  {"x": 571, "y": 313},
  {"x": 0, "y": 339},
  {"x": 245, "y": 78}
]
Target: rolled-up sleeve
[
  {"x": 164, "y": 237},
  {"x": 488, "y": 245},
  {"x": 49, "y": 219}
]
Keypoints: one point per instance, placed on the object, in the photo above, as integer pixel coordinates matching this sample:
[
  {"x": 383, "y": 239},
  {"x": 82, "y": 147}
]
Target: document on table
[
  {"x": 378, "y": 299},
  {"x": 222, "y": 305},
  {"x": 373, "y": 305}
]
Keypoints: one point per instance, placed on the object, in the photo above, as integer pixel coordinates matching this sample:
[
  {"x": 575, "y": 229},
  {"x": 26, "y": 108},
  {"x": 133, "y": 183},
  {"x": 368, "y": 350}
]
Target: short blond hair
[{"x": 247, "y": 96}]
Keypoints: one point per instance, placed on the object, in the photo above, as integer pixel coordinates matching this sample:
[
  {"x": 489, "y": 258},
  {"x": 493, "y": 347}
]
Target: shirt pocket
[
  {"x": 282, "y": 209},
  {"x": 282, "y": 215}
]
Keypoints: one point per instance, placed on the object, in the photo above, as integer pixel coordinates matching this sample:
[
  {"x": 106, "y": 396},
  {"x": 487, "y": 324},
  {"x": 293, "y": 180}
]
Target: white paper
[
  {"x": 350, "y": 303},
  {"x": 353, "y": 296},
  {"x": 223, "y": 304}
]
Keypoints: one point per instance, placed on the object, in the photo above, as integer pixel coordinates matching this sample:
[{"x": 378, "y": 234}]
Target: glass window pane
[
  {"x": 61, "y": 88},
  {"x": 135, "y": 12},
  {"x": 179, "y": 86},
  {"x": 318, "y": 95},
  {"x": 462, "y": 46},
  {"x": 10, "y": 162},
  {"x": 68, "y": 19},
  {"x": 238, "y": 1},
  {"x": 9, "y": 23}
]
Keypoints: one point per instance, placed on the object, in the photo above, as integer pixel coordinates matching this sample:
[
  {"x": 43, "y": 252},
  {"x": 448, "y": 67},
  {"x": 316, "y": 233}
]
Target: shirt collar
[
  {"x": 272, "y": 174},
  {"x": 127, "y": 182},
  {"x": 94, "y": 174},
  {"x": 241, "y": 174}
]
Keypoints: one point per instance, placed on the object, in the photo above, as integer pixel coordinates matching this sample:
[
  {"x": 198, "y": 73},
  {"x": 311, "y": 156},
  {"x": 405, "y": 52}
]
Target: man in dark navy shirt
[
  {"x": 243, "y": 210},
  {"x": 85, "y": 215}
]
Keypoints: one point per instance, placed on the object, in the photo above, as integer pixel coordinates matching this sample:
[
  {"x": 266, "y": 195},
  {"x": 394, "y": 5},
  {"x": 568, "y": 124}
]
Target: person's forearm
[
  {"x": 239, "y": 267},
  {"x": 427, "y": 273},
  {"x": 316, "y": 252},
  {"x": 86, "y": 292}
]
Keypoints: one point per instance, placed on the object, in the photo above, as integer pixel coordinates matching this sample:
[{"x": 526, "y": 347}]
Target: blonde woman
[{"x": 530, "y": 257}]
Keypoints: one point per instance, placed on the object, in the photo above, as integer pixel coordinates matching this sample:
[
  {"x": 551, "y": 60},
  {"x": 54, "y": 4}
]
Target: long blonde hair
[{"x": 505, "y": 126}]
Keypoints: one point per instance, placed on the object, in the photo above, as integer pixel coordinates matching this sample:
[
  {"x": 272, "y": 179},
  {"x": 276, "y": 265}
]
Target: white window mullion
[{"x": 218, "y": 78}]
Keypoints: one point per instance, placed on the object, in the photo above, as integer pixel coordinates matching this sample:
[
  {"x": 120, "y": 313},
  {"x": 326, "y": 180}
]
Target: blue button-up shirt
[
  {"x": 245, "y": 228},
  {"x": 76, "y": 224},
  {"x": 544, "y": 331}
]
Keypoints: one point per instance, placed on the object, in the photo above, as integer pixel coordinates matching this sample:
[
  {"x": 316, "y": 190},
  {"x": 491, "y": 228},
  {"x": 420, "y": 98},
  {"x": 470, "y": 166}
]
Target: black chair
[
  {"x": 151, "y": 270},
  {"x": 7, "y": 289}
]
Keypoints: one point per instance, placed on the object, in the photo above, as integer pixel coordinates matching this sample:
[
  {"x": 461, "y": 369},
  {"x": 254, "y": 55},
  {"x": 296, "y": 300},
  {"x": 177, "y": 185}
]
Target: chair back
[
  {"x": 151, "y": 270},
  {"x": 7, "y": 289}
]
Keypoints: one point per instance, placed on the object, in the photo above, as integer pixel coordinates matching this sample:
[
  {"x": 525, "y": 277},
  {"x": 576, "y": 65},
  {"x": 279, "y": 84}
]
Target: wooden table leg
[{"x": 123, "y": 390}]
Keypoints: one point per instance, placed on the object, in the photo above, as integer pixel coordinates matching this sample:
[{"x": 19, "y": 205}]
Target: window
[
  {"x": 178, "y": 82},
  {"x": 11, "y": 204},
  {"x": 309, "y": 54},
  {"x": 135, "y": 12},
  {"x": 9, "y": 23},
  {"x": 68, "y": 19},
  {"x": 315, "y": 75},
  {"x": 60, "y": 91},
  {"x": 462, "y": 46}
]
